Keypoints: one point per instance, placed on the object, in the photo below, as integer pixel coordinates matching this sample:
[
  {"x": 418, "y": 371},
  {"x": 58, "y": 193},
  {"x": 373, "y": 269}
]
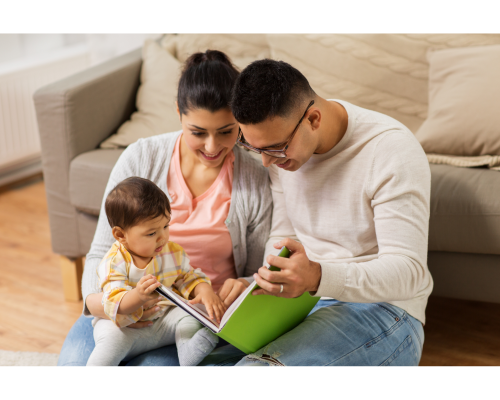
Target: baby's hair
[{"x": 135, "y": 200}]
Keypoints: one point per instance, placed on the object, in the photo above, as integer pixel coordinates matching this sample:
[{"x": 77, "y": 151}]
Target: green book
[{"x": 251, "y": 322}]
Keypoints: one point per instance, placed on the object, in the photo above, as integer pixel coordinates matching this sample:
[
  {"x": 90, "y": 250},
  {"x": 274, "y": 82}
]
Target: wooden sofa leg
[{"x": 72, "y": 271}]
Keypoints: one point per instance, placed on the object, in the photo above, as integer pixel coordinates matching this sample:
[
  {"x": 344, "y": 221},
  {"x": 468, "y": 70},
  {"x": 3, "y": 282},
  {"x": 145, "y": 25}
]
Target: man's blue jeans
[{"x": 334, "y": 333}]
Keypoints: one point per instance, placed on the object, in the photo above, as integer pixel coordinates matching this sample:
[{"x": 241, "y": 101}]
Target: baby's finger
[
  {"x": 146, "y": 278},
  {"x": 145, "y": 283},
  {"x": 210, "y": 311},
  {"x": 151, "y": 288},
  {"x": 216, "y": 313}
]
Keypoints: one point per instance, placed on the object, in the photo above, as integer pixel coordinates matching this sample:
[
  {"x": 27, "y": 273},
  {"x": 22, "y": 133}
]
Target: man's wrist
[{"x": 316, "y": 280}]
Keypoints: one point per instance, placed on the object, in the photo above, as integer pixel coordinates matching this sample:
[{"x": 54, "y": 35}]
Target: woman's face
[{"x": 210, "y": 135}]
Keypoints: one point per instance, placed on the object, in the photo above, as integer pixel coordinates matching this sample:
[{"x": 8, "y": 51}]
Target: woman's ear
[{"x": 119, "y": 234}]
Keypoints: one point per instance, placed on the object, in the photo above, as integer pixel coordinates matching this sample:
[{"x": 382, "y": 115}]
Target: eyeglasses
[{"x": 270, "y": 152}]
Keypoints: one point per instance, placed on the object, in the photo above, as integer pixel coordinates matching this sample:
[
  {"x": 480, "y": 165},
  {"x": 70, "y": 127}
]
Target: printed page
[{"x": 195, "y": 310}]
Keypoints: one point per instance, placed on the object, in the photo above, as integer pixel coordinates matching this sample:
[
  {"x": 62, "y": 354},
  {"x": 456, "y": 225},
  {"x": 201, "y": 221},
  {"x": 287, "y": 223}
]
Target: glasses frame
[{"x": 281, "y": 153}]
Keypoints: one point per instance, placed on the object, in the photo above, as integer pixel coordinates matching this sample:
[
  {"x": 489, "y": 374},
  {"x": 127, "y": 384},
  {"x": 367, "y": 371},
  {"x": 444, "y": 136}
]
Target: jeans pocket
[
  {"x": 405, "y": 355},
  {"x": 387, "y": 309}
]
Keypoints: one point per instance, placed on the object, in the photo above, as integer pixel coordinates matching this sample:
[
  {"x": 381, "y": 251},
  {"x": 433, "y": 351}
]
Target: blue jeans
[{"x": 334, "y": 333}]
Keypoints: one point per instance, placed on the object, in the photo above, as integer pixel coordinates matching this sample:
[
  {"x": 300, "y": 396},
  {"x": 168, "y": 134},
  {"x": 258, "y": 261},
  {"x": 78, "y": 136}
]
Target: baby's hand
[
  {"x": 146, "y": 288},
  {"x": 204, "y": 294}
]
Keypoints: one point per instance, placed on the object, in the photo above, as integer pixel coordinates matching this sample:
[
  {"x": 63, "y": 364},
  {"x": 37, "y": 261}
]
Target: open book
[{"x": 251, "y": 321}]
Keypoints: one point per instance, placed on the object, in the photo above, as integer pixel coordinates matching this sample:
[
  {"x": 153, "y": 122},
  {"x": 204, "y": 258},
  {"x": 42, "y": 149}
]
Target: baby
[{"x": 140, "y": 259}]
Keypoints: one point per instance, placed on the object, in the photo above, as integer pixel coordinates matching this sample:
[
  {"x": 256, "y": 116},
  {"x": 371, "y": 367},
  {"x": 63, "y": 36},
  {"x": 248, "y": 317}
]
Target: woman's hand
[
  {"x": 204, "y": 294},
  {"x": 231, "y": 290},
  {"x": 150, "y": 307}
]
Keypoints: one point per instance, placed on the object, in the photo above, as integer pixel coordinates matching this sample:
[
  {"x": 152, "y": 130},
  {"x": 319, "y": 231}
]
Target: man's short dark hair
[
  {"x": 269, "y": 88},
  {"x": 135, "y": 200}
]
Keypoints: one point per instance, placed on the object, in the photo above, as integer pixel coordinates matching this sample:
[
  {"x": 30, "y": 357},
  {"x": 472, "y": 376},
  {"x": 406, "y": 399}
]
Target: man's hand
[
  {"x": 298, "y": 274},
  {"x": 146, "y": 288},
  {"x": 231, "y": 289},
  {"x": 204, "y": 294}
]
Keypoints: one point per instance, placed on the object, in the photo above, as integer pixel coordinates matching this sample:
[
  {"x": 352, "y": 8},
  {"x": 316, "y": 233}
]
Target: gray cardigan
[{"x": 248, "y": 221}]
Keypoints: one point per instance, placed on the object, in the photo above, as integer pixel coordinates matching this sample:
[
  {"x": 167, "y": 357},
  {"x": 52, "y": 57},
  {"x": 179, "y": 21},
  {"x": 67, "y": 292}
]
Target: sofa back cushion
[
  {"x": 385, "y": 73},
  {"x": 464, "y": 98},
  {"x": 156, "y": 110},
  {"x": 242, "y": 49}
]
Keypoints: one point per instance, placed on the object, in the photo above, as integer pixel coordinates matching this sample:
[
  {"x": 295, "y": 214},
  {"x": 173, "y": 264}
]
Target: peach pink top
[{"x": 198, "y": 224}]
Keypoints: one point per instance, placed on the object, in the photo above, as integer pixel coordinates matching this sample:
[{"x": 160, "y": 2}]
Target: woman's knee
[{"x": 78, "y": 345}]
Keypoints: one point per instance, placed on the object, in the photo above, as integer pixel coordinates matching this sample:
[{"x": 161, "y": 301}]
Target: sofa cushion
[
  {"x": 242, "y": 49},
  {"x": 156, "y": 110},
  {"x": 88, "y": 177},
  {"x": 464, "y": 93},
  {"x": 384, "y": 73},
  {"x": 465, "y": 210}
]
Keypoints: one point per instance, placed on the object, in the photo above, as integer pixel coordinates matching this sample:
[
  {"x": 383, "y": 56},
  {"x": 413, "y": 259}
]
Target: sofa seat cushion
[
  {"x": 465, "y": 210},
  {"x": 88, "y": 177}
]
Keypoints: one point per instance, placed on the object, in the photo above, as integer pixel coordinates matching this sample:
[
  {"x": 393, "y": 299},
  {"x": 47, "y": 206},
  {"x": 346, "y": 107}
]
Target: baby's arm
[
  {"x": 187, "y": 277},
  {"x": 135, "y": 298},
  {"x": 114, "y": 283}
]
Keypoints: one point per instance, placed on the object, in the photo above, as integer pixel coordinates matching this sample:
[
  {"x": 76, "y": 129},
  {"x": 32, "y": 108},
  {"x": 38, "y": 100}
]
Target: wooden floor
[{"x": 35, "y": 317}]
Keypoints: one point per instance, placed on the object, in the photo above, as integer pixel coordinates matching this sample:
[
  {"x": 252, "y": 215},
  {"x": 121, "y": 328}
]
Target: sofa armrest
[{"x": 74, "y": 115}]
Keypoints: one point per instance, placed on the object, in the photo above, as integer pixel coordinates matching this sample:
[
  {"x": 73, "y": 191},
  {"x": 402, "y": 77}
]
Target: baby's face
[{"x": 148, "y": 238}]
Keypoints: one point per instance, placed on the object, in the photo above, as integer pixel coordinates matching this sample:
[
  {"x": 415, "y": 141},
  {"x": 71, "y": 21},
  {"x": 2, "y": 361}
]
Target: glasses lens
[
  {"x": 277, "y": 154},
  {"x": 252, "y": 149}
]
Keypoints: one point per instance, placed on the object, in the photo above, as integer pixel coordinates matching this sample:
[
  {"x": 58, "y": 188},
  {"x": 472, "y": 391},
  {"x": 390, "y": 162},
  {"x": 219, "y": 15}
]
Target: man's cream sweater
[{"x": 361, "y": 210}]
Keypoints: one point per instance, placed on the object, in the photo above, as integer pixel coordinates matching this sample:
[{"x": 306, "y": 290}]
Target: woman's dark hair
[
  {"x": 135, "y": 200},
  {"x": 268, "y": 88},
  {"x": 206, "y": 82}
]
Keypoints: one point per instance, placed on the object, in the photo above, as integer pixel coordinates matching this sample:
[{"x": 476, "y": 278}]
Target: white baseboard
[{"x": 22, "y": 171}]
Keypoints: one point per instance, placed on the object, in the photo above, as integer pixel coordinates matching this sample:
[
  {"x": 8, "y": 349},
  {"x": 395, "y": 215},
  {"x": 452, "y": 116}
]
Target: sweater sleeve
[
  {"x": 127, "y": 165},
  {"x": 399, "y": 189},
  {"x": 259, "y": 221},
  {"x": 188, "y": 277},
  {"x": 281, "y": 226},
  {"x": 113, "y": 280}
]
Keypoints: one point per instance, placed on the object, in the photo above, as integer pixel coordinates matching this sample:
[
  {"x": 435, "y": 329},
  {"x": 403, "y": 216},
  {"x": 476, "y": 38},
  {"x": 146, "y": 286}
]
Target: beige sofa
[{"x": 386, "y": 73}]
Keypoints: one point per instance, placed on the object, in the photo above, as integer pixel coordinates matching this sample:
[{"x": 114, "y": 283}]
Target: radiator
[{"x": 19, "y": 139}]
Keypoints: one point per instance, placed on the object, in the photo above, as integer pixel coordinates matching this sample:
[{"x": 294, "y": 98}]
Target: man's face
[{"x": 274, "y": 133}]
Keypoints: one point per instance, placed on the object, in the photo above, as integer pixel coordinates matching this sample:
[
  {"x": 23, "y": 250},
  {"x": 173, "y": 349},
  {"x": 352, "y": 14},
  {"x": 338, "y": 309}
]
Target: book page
[{"x": 196, "y": 310}]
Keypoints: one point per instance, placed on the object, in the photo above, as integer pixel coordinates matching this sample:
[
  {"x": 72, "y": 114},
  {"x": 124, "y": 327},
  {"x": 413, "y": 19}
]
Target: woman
[{"x": 220, "y": 199}]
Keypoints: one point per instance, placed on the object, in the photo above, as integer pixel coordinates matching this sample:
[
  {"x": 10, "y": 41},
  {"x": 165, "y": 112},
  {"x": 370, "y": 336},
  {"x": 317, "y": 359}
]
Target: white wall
[
  {"x": 105, "y": 46},
  {"x": 29, "y": 61},
  {"x": 101, "y": 47}
]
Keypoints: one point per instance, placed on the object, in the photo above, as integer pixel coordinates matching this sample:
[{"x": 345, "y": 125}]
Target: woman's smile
[{"x": 211, "y": 157}]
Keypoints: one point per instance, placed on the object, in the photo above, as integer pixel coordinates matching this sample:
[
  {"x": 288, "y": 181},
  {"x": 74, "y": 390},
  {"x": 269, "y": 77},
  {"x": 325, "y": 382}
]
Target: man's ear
[
  {"x": 119, "y": 234},
  {"x": 314, "y": 118}
]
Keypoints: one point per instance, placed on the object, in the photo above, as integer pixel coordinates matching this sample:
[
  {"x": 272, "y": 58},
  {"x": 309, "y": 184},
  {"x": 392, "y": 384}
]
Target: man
[{"x": 351, "y": 193}]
